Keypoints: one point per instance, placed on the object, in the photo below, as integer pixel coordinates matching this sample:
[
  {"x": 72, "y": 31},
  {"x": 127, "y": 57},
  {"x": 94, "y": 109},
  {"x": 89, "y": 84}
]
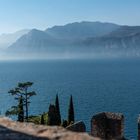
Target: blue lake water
[{"x": 96, "y": 86}]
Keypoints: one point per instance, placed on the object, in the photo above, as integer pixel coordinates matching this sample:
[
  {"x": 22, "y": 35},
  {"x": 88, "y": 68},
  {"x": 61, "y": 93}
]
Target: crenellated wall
[
  {"x": 104, "y": 126},
  {"x": 139, "y": 128},
  {"x": 108, "y": 125}
]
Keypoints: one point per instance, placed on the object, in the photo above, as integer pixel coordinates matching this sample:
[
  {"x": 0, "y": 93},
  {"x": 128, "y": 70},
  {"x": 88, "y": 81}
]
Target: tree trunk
[{"x": 26, "y": 105}]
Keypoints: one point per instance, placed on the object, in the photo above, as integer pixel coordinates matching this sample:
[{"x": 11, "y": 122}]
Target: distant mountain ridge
[
  {"x": 8, "y": 39},
  {"x": 82, "y": 30},
  {"x": 82, "y": 37}
]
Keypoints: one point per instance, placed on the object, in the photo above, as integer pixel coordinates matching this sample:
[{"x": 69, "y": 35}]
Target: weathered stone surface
[
  {"x": 108, "y": 125},
  {"x": 77, "y": 127},
  {"x": 10, "y": 130},
  {"x": 139, "y": 128}
]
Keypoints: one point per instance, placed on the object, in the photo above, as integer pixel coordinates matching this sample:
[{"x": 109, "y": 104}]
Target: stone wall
[
  {"x": 77, "y": 127},
  {"x": 10, "y": 130},
  {"x": 108, "y": 125},
  {"x": 104, "y": 126},
  {"x": 139, "y": 128}
]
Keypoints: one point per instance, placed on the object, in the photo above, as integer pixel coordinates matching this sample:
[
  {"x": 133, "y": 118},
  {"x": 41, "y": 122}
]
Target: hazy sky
[{"x": 23, "y": 14}]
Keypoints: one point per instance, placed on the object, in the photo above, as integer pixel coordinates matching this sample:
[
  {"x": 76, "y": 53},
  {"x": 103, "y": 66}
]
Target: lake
[{"x": 96, "y": 86}]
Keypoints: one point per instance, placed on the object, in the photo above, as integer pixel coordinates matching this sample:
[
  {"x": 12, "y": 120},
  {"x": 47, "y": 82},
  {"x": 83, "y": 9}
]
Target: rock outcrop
[{"x": 77, "y": 127}]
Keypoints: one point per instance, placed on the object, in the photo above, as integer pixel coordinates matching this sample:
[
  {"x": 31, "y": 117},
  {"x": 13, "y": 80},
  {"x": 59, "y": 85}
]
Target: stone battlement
[
  {"x": 10, "y": 130},
  {"x": 108, "y": 125},
  {"x": 104, "y": 126}
]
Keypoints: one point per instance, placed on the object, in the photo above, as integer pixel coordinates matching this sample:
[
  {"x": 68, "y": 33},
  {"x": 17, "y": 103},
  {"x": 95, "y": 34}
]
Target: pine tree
[
  {"x": 58, "y": 116},
  {"x": 20, "y": 110},
  {"x": 17, "y": 110},
  {"x": 42, "y": 119},
  {"x": 71, "y": 111},
  {"x": 23, "y": 88},
  {"x": 21, "y": 91}
]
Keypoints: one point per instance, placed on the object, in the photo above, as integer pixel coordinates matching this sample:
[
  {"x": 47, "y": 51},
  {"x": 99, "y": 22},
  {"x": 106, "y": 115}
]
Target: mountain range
[
  {"x": 86, "y": 38},
  {"x": 8, "y": 39}
]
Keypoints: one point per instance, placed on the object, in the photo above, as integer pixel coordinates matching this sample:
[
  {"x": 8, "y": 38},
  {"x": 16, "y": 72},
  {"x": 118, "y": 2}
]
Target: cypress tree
[
  {"x": 71, "y": 111},
  {"x": 52, "y": 115},
  {"x": 42, "y": 121},
  {"x": 58, "y": 116},
  {"x": 20, "y": 110}
]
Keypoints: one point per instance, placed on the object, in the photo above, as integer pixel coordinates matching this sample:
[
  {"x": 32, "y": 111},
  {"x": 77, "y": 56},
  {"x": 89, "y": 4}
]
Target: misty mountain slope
[
  {"x": 124, "y": 45},
  {"x": 61, "y": 37},
  {"x": 34, "y": 40},
  {"x": 124, "y": 40},
  {"x": 8, "y": 39},
  {"x": 124, "y": 37},
  {"x": 125, "y": 31},
  {"x": 82, "y": 30},
  {"x": 38, "y": 41}
]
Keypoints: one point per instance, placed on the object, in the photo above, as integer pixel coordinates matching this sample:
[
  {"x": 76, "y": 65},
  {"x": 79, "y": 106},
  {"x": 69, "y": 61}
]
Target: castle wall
[{"x": 107, "y": 125}]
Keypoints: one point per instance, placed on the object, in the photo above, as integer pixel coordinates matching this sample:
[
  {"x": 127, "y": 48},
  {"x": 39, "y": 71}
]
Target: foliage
[
  {"x": 52, "y": 119},
  {"x": 37, "y": 119},
  {"x": 17, "y": 110},
  {"x": 65, "y": 123},
  {"x": 71, "y": 111},
  {"x": 21, "y": 94},
  {"x": 21, "y": 110},
  {"x": 34, "y": 119},
  {"x": 42, "y": 121},
  {"x": 58, "y": 116},
  {"x": 12, "y": 111},
  {"x": 46, "y": 117}
]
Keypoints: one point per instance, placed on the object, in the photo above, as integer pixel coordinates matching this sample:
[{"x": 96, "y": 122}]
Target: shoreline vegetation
[
  {"x": 52, "y": 117},
  {"x": 106, "y": 125}
]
